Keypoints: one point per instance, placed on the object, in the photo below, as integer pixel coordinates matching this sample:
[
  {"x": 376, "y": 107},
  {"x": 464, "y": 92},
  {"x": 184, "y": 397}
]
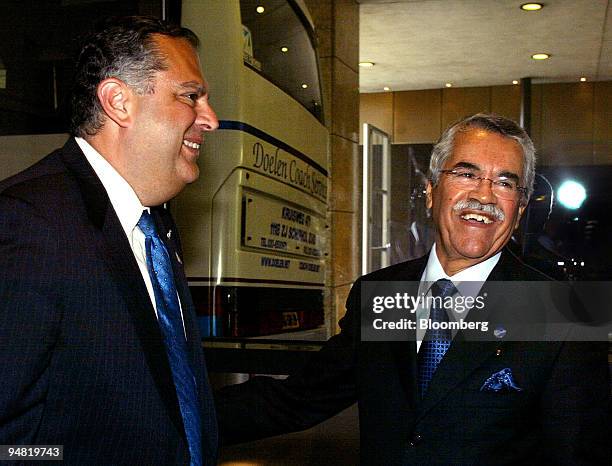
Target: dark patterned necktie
[
  {"x": 436, "y": 341},
  {"x": 171, "y": 325}
]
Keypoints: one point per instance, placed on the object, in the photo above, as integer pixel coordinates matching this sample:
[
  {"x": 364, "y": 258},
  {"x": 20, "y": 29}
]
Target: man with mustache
[
  {"x": 437, "y": 395},
  {"x": 100, "y": 351}
]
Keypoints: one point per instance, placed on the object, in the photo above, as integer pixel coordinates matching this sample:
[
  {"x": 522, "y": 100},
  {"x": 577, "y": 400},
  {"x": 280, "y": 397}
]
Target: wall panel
[
  {"x": 376, "y": 109},
  {"x": 571, "y": 123},
  {"x": 536, "y": 120},
  {"x": 458, "y": 102},
  {"x": 345, "y": 100},
  {"x": 602, "y": 123},
  {"x": 567, "y": 123},
  {"x": 506, "y": 101},
  {"x": 416, "y": 116}
]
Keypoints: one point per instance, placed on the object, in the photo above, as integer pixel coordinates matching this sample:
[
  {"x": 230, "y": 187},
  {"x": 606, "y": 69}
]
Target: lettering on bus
[
  {"x": 312, "y": 251},
  {"x": 309, "y": 267},
  {"x": 295, "y": 216},
  {"x": 277, "y": 263},
  {"x": 308, "y": 179},
  {"x": 293, "y": 171},
  {"x": 271, "y": 164},
  {"x": 294, "y": 233},
  {"x": 307, "y": 237},
  {"x": 270, "y": 243},
  {"x": 281, "y": 227}
]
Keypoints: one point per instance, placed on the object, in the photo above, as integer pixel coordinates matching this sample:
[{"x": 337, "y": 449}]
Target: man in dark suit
[
  {"x": 445, "y": 397},
  {"x": 100, "y": 351}
]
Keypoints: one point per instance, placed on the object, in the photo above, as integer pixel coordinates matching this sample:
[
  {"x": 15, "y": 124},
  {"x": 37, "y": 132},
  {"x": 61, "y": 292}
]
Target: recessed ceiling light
[
  {"x": 284, "y": 49},
  {"x": 515, "y": 82},
  {"x": 260, "y": 9},
  {"x": 304, "y": 86},
  {"x": 582, "y": 79},
  {"x": 366, "y": 64},
  {"x": 386, "y": 88},
  {"x": 448, "y": 85},
  {"x": 541, "y": 56},
  {"x": 532, "y": 6}
]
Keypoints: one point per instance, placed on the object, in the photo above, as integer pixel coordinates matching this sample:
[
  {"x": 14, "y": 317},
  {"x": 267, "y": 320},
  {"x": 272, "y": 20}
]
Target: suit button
[{"x": 415, "y": 440}]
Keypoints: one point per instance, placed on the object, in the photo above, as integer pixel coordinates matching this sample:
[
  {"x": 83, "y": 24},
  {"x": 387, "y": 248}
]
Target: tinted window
[
  {"x": 279, "y": 45},
  {"x": 38, "y": 41},
  {"x": 575, "y": 237}
]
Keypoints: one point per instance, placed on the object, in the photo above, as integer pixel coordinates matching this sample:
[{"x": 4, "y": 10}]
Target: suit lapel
[
  {"x": 405, "y": 352},
  {"x": 466, "y": 354},
  {"x": 461, "y": 360},
  {"x": 111, "y": 241}
]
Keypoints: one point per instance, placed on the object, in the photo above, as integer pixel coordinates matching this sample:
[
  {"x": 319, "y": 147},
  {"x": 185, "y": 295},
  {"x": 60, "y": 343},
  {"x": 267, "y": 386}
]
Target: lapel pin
[
  {"x": 498, "y": 352},
  {"x": 169, "y": 234}
]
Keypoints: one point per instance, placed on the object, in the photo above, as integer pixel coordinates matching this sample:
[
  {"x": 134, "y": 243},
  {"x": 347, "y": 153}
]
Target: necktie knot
[
  {"x": 147, "y": 224},
  {"x": 443, "y": 288}
]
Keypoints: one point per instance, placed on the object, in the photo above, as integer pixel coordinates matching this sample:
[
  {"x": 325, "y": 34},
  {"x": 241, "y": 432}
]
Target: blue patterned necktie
[
  {"x": 436, "y": 341},
  {"x": 171, "y": 325}
]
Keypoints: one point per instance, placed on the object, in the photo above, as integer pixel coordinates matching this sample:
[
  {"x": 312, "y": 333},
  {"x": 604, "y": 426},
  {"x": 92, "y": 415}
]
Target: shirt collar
[
  {"x": 122, "y": 196},
  {"x": 468, "y": 281}
]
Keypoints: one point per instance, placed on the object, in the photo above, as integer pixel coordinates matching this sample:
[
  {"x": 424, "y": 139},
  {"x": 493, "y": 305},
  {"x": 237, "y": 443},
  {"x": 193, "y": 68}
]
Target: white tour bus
[{"x": 253, "y": 228}]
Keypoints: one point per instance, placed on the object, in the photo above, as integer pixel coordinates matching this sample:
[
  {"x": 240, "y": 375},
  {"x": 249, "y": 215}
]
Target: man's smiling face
[
  {"x": 467, "y": 235},
  {"x": 169, "y": 125}
]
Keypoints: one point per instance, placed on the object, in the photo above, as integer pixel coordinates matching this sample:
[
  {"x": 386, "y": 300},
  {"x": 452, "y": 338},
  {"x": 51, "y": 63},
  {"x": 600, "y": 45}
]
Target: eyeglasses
[{"x": 502, "y": 186}]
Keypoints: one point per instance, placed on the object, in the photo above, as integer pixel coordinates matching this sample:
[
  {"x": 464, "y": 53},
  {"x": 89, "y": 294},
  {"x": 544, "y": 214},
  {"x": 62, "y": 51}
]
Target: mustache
[{"x": 473, "y": 204}]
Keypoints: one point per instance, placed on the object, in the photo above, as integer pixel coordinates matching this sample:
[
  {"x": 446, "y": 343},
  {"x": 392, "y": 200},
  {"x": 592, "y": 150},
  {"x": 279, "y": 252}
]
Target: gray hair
[
  {"x": 124, "y": 48},
  {"x": 494, "y": 124}
]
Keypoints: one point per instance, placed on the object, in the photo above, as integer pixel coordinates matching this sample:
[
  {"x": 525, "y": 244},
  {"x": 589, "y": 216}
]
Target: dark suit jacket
[
  {"x": 559, "y": 417},
  {"x": 82, "y": 360}
]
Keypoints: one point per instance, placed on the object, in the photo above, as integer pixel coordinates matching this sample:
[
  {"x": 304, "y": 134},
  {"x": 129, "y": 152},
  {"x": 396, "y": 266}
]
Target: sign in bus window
[{"x": 279, "y": 226}]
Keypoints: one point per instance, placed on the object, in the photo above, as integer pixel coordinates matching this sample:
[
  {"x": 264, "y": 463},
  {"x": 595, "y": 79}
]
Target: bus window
[
  {"x": 279, "y": 45},
  {"x": 37, "y": 51}
]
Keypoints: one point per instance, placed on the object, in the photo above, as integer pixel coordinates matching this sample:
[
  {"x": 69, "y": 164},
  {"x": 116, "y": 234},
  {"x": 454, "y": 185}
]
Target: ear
[
  {"x": 116, "y": 97},
  {"x": 429, "y": 195}
]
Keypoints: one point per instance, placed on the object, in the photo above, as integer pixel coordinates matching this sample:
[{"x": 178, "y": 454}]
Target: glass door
[{"x": 376, "y": 241}]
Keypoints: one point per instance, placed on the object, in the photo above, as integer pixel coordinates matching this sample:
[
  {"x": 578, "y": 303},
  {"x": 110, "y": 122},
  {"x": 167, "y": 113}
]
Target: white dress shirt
[
  {"x": 127, "y": 207},
  {"x": 468, "y": 283}
]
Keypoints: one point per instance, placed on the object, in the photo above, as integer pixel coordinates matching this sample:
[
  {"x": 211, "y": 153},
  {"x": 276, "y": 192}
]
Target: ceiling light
[
  {"x": 386, "y": 88},
  {"x": 448, "y": 85},
  {"x": 304, "y": 86},
  {"x": 284, "y": 49},
  {"x": 540, "y": 56},
  {"x": 531, "y": 6},
  {"x": 583, "y": 79},
  {"x": 366, "y": 64},
  {"x": 260, "y": 9},
  {"x": 515, "y": 82}
]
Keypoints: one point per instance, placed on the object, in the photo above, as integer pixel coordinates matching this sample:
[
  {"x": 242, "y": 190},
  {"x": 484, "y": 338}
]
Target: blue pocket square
[{"x": 500, "y": 381}]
